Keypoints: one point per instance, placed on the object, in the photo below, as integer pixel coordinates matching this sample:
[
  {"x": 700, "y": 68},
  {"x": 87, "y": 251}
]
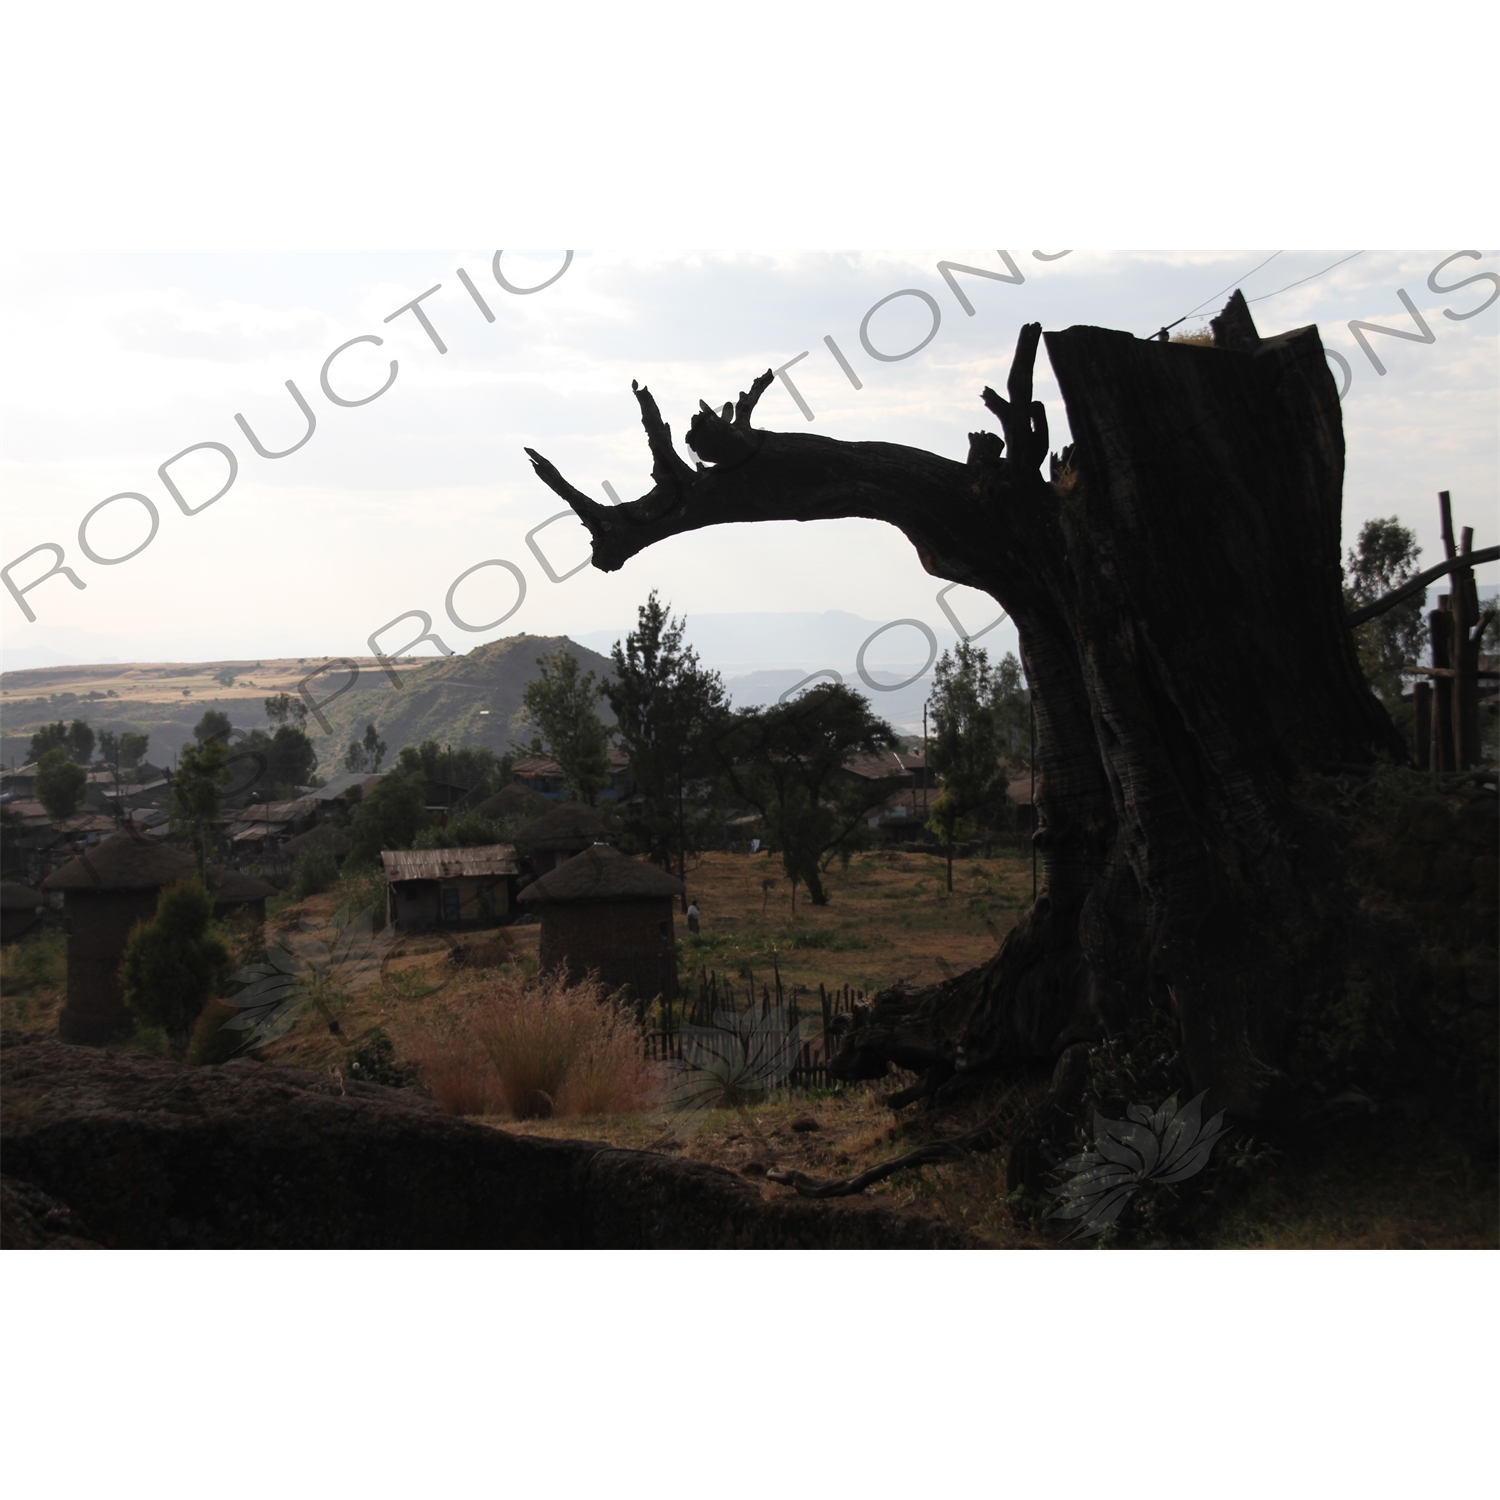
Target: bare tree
[{"x": 1175, "y": 579}]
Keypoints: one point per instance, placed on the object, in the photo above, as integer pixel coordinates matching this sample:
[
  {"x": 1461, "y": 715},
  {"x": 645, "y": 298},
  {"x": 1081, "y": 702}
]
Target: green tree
[
  {"x": 48, "y": 737},
  {"x": 60, "y": 784},
  {"x": 289, "y": 756},
  {"x": 476, "y": 770},
  {"x": 109, "y": 747},
  {"x": 560, "y": 702},
  {"x": 173, "y": 962},
  {"x": 198, "y": 794},
  {"x": 470, "y": 830},
  {"x": 133, "y": 748},
  {"x": 668, "y": 709},
  {"x": 80, "y": 742},
  {"x": 966, "y": 746},
  {"x": 787, "y": 762},
  {"x": 285, "y": 709},
  {"x": 1386, "y": 556},
  {"x": 214, "y": 725},
  {"x": 366, "y": 754},
  {"x": 1012, "y": 707},
  {"x": 389, "y": 817}
]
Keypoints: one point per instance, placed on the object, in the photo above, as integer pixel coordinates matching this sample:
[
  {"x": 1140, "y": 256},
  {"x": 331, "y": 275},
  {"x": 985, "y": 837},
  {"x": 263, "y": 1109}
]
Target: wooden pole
[
  {"x": 1422, "y": 696},
  {"x": 1440, "y": 626}
]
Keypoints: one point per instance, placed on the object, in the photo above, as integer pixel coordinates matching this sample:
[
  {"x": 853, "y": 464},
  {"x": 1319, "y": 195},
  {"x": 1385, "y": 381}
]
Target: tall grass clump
[{"x": 533, "y": 1049}]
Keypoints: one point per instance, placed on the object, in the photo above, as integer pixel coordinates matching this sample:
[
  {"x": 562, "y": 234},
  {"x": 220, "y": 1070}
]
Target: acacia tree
[
  {"x": 787, "y": 762},
  {"x": 1175, "y": 579}
]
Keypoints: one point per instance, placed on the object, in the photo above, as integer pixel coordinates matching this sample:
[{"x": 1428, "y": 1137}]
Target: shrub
[
  {"x": 313, "y": 871},
  {"x": 210, "y": 1044},
  {"x": 38, "y": 962},
  {"x": 173, "y": 962},
  {"x": 374, "y": 1061}
]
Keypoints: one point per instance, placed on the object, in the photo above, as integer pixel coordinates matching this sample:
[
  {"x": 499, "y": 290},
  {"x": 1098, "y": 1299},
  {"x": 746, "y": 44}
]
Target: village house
[
  {"x": 604, "y": 912},
  {"x": 263, "y": 829},
  {"x": 340, "y": 793},
  {"x": 450, "y": 888},
  {"x": 544, "y": 776}
]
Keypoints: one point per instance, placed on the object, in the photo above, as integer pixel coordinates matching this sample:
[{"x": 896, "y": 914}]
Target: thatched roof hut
[
  {"x": 107, "y": 890},
  {"x": 566, "y": 829},
  {"x": 605, "y": 912},
  {"x": 324, "y": 836},
  {"x": 513, "y": 799}
]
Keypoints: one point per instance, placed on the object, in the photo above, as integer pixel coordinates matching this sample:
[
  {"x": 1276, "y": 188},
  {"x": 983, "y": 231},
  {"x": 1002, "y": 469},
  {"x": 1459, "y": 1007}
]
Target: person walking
[{"x": 692, "y": 916}]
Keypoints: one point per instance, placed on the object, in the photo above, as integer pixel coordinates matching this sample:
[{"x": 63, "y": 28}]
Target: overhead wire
[{"x": 1265, "y": 296}]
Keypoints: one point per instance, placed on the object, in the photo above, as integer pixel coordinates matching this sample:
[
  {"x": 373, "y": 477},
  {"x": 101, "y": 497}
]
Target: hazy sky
[{"x": 116, "y": 362}]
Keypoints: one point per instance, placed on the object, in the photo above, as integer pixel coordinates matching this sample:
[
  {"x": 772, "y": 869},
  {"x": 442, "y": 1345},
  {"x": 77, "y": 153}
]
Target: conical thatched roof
[
  {"x": 514, "y": 798},
  {"x": 231, "y": 887},
  {"x": 601, "y": 873},
  {"x": 126, "y": 861},
  {"x": 567, "y": 826},
  {"x": 17, "y": 897},
  {"x": 324, "y": 835},
  {"x": 129, "y": 861}
]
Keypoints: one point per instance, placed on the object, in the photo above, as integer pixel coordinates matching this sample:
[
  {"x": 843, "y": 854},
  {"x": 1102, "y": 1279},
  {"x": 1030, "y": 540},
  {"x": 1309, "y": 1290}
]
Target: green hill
[
  {"x": 439, "y": 699},
  {"x": 474, "y": 699}
]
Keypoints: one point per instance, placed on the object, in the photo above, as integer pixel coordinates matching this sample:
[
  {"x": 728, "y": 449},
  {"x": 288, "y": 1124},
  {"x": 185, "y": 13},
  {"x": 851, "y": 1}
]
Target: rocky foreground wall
[{"x": 127, "y": 1152}]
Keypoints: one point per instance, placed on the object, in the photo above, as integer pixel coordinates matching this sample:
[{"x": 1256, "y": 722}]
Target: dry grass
[{"x": 532, "y": 1050}]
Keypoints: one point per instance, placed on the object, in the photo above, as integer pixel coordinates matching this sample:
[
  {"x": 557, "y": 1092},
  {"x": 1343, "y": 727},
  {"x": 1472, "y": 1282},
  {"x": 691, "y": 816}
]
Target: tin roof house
[{"x": 452, "y": 888}]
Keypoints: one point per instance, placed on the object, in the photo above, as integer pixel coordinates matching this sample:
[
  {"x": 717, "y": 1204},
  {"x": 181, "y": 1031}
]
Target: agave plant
[
  {"x": 733, "y": 1061},
  {"x": 320, "y": 964},
  {"x": 1161, "y": 1145}
]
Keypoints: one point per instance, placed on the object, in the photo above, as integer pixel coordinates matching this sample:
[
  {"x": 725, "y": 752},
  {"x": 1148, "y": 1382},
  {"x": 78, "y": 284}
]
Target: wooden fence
[{"x": 724, "y": 995}]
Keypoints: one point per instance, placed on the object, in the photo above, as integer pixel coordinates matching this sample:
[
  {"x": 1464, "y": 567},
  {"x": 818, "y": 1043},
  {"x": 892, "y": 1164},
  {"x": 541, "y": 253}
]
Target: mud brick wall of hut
[
  {"x": 628, "y": 942},
  {"x": 99, "y": 923}
]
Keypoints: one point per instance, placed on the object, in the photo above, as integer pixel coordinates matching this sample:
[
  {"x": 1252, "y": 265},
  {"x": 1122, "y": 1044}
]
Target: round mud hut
[
  {"x": 604, "y": 911},
  {"x": 106, "y": 891},
  {"x": 564, "y": 831}
]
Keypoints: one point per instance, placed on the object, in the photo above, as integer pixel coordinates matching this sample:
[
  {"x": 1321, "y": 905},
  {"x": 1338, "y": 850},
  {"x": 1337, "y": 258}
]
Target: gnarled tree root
[{"x": 1028, "y": 1144}]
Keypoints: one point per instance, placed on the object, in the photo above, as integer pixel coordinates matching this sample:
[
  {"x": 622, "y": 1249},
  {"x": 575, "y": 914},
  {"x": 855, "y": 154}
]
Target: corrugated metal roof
[{"x": 449, "y": 864}]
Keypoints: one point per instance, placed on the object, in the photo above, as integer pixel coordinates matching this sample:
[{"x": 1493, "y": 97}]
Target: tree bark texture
[{"x": 1176, "y": 584}]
